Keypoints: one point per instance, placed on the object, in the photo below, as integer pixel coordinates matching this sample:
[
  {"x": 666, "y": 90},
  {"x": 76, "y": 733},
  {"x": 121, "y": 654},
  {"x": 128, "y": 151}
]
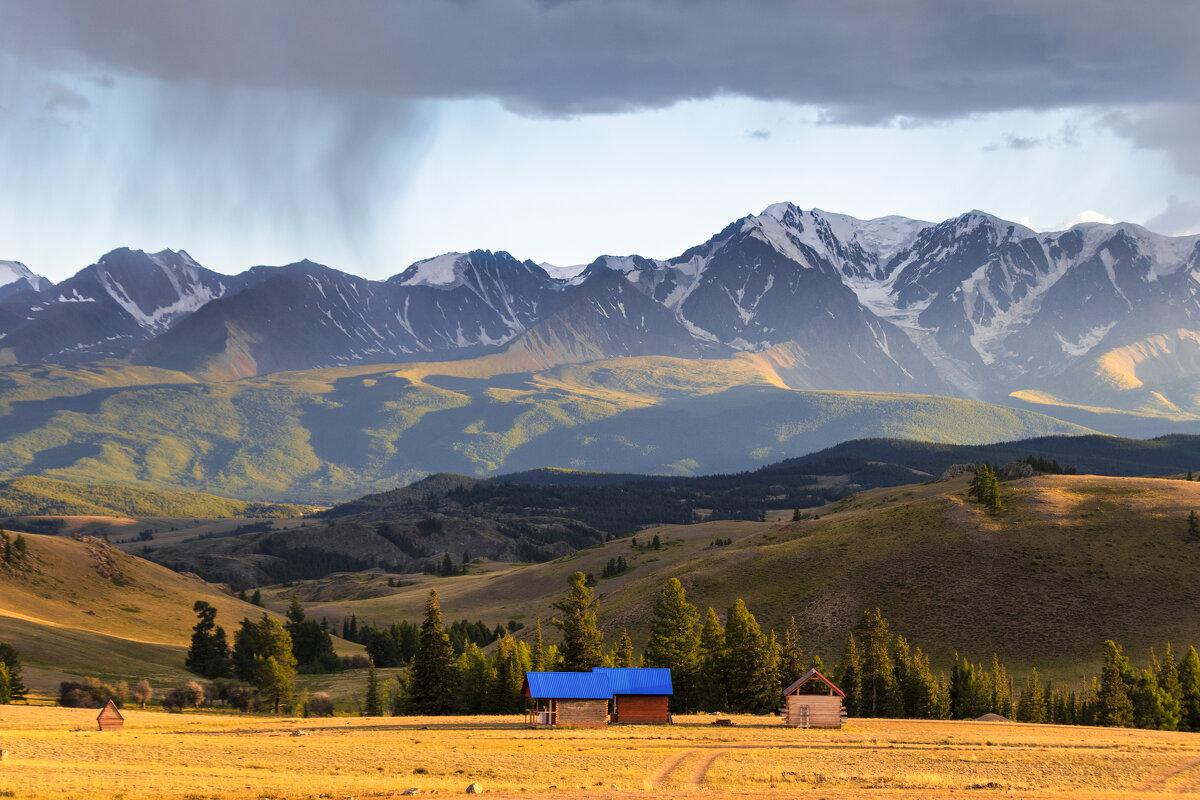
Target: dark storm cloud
[{"x": 863, "y": 61}]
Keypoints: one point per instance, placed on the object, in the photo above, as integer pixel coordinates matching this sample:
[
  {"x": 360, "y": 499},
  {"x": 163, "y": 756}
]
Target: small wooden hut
[
  {"x": 566, "y": 699},
  {"x": 640, "y": 695},
  {"x": 110, "y": 718},
  {"x": 809, "y": 709}
]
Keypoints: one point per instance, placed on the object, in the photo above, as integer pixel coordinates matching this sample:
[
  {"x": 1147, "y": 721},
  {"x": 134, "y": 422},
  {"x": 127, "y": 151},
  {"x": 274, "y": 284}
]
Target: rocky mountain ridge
[{"x": 974, "y": 307}]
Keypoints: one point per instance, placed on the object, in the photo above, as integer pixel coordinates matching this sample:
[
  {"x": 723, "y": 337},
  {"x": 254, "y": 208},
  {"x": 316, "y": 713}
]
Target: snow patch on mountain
[
  {"x": 16, "y": 277},
  {"x": 440, "y": 270},
  {"x": 562, "y": 273}
]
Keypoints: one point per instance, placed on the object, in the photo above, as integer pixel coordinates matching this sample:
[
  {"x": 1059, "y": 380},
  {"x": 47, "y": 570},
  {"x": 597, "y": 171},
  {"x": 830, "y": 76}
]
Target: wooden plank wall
[
  {"x": 645, "y": 709},
  {"x": 110, "y": 719},
  {"x": 824, "y": 710},
  {"x": 582, "y": 713}
]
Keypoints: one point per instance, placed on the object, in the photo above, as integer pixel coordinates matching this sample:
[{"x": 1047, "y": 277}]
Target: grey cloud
[
  {"x": 761, "y": 133},
  {"x": 65, "y": 98},
  {"x": 1179, "y": 218},
  {"x": 1164, "y": 126},
  {"x": 863, "y": 61}
]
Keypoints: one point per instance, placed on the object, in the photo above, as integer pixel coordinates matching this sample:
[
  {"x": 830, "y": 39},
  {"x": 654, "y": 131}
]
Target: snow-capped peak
[
  {"x": 13, "y": 271},
  {"x": 975, "y": 219},
  {"x": 440, "y": 270},
  {"x": 785, "y": 226}
]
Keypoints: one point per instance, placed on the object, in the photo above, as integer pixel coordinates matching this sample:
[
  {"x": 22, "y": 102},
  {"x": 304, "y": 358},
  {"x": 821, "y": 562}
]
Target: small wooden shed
[
  {"x": 640, "y": 695},
  {"x": 566, "y": 699},
  {"x": 110, "y": 718},
  {"x": 809, "y": 709}
]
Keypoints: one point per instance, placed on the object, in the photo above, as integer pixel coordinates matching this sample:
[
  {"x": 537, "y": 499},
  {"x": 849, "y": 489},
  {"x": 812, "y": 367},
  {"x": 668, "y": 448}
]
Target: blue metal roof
[
  {"x": 567, "y": 686},
  {"x": 633, "y": 680}
]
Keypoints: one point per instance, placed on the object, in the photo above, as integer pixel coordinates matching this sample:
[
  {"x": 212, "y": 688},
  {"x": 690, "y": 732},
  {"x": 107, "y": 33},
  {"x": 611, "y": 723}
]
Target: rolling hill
[
  {"x": 86, "y": 608},
  {"x": 333, "y": 434},
  {"x": 30, "y": 496},
  {"x": 1072, "y": 561}
]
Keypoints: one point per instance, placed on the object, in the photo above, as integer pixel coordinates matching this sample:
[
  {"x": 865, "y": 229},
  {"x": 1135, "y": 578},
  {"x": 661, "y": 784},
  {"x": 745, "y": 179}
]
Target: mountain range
[
  {"x": 971, "y": 307},
  {"x": 789, "y": 329}
]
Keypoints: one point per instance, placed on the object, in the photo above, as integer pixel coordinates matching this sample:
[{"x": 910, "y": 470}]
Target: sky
[{"x": 369, "y": 134}]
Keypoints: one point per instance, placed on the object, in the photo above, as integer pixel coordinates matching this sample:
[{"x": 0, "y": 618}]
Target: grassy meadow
[{"x": 58, "y": 753}]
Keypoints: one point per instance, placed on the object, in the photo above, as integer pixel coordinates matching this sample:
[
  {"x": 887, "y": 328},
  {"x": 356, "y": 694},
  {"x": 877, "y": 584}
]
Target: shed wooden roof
[{"x": 808, "y": 676}]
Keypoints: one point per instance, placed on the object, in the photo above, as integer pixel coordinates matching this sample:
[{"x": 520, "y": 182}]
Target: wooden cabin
[
  {"x": 639, "y": 695},
  {"x": 110, "y": 718},
  {"x": 805, "y": 708},
  {"x": 566, "y": 699}
]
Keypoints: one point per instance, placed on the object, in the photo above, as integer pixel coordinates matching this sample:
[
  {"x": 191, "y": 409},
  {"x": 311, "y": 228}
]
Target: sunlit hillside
[{"x": 332, "y": 434}]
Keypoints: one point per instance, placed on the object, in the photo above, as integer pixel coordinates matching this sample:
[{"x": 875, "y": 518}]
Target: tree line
[{"x": 886, "y": 677}]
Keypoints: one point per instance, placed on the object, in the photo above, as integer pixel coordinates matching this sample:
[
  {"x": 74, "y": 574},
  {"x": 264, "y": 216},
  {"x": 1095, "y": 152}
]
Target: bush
[
  {"x": 356, "y": 661},
  {"x": 242, "y": 697},
  {"x": 91, "y": 693},
  {"x": 142, "y": 693},
  {"x": 320, "y": 705},
  {"x": 193, "y": 694},
  {"x": 174, "y": 700}
]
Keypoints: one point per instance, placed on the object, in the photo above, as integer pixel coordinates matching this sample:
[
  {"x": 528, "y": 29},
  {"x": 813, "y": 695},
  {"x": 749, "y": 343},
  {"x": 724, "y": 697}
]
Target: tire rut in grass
[
  {"x": 697, "y": 778},
  {"x": 667, "y": 767},
  {"x": 1161, "y": 778}
]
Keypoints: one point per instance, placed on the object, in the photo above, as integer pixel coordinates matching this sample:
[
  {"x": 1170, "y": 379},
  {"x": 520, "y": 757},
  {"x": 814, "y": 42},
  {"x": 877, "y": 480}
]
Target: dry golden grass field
[{"x": 58, "y": 753}]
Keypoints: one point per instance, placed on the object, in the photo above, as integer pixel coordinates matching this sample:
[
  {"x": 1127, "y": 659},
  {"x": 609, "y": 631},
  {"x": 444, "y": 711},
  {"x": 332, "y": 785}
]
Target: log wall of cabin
[
  {"x": 650, "y": 709},
  {"x": 582, "y": 713},
  {"x": 824, "y": 710}
]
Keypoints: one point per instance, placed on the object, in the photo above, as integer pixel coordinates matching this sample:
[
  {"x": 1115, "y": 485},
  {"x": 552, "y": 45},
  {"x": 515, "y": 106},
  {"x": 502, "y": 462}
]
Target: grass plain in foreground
[{"x": 59, "y": 753}]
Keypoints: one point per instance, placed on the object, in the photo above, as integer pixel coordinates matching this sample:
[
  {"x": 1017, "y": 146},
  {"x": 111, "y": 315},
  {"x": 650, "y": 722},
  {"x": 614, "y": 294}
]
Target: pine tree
[
  {"x": 881, "y": 696},
  {"x": 918, "y": 687},
  {"x": 539, "y": 649},
  {"x": 1193, "y": 531},
  {"x": 751, "y": 685},
  {"x": 1167, "y": 676},
  {"x": 373, "y": 704},
  {"x": 582, "y": 646},
  {"x": 673, "y": 641},
  {"x": 432, "y": 677},
  {"x": 295, "y": 612},
  {"x": 476, "y": 680},
  {"x": 1114, "y": 706},
  {"x": 791, "y": 656},
  {"x": 623, "y": 655},
  {"x": 1147, "y": 699},
  {"x": 509, "y": 664},
  {"x": 1000, "y": 699},
  {"x": 985, "y": 487},
  {"x": 1189, "y": 688},
  {"x": 208, "y": 654},
  {"x": 850, "y": 677},
  {"x": 5, "y": 685},
  {"x": 709, "y": 691},
  {"x": 11, "y": 660},
  {"x": 256, "y": 598},
  {"x": 965, "y": 701},
  {"x": 275, "y": 666},
  {"x": 1032, "y": 706}
]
